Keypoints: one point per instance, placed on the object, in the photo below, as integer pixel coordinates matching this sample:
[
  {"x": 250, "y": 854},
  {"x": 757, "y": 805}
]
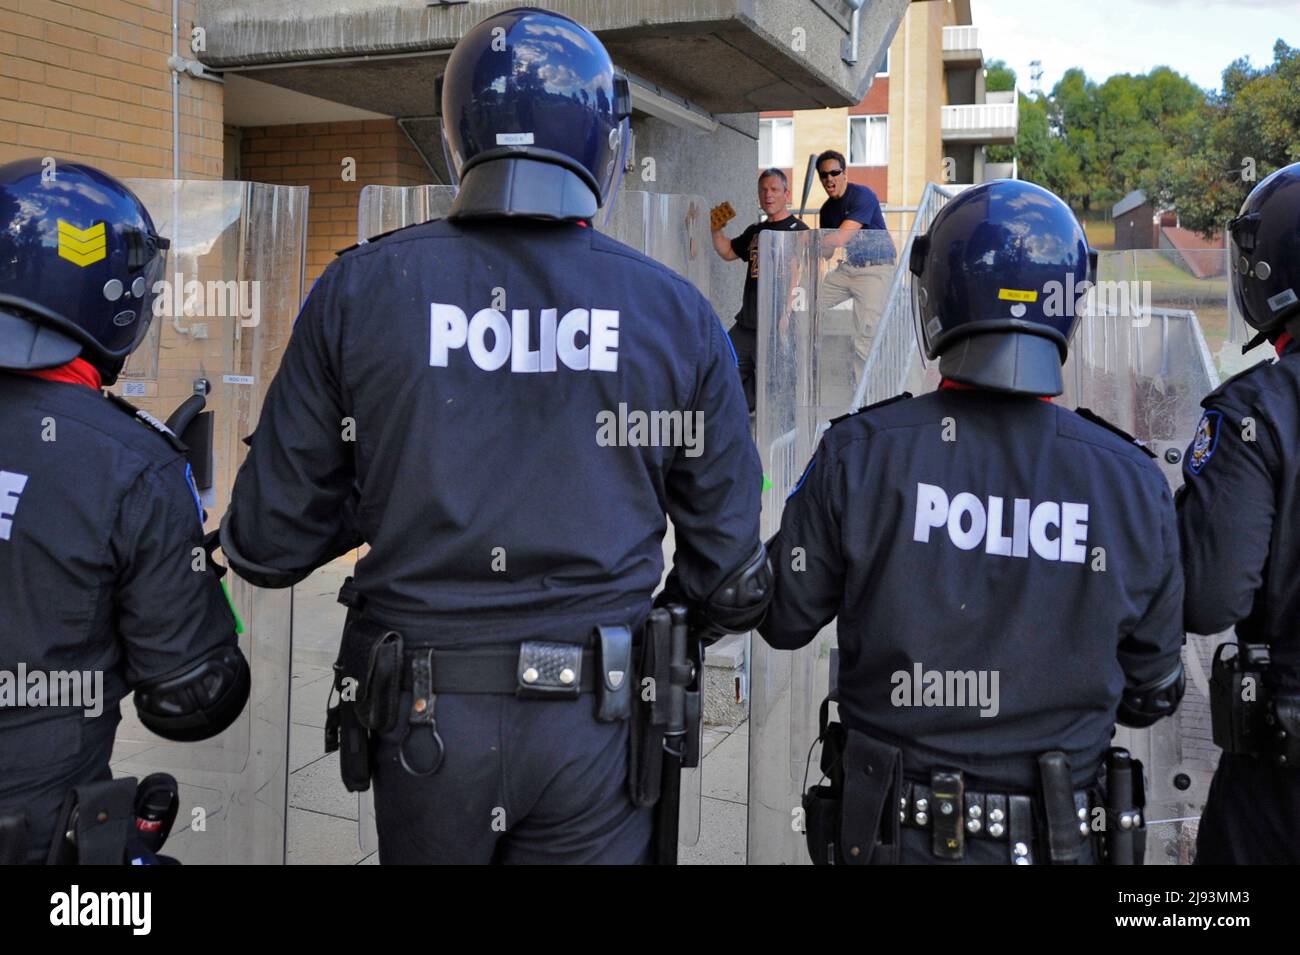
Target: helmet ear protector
[{"x": 622, "y": 97}]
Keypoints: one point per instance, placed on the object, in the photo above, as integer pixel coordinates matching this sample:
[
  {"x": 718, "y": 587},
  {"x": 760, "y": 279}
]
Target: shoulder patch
[
  {"x": 879, "y": 404},
  {"x": 1206, "y": 441},
  {"x": 376, "y": 238},
  {"x": 148, "y": 420},
  {"x": 1089, "y": 415}
]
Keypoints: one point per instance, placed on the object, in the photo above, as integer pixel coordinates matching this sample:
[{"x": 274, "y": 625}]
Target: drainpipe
[{"x": 176, "y": 91}]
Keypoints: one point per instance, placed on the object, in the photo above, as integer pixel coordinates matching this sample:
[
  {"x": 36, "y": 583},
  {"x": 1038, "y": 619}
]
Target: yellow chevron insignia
[{"x": 82, "y": 247}]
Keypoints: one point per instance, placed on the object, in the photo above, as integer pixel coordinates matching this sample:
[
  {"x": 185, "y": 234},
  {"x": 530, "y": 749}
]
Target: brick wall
[
  {"x": 88, "y": 80},
  {"x": 312, "y": 154}
]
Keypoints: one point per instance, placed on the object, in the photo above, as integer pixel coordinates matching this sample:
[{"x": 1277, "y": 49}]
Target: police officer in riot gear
[
  {"x": 1004, "y": 571},
  {"x": 99, "y": 520},
  {"x": 1237, "y": 515},
  {"x": 515, "y": 540}
]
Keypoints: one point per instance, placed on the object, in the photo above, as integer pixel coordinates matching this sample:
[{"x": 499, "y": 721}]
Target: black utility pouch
[
  {"x": 873, "y": 778},
  {"x": 548, "y": 671},
  {"x": 614, "y": 688},
  {"x": 368, "y": 682},
  {"x": 1286, "y": 712},
  {"x": 369, "y": 670},
  {"x": 1239, "y": 702},
  {"x": 853, "y": 820},
  {"x": 95, "y": 823},
  {"x": 823, "y": 804}
]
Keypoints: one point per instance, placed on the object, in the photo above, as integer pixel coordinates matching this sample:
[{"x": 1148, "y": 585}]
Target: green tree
[
  {"x": 1102, "y": 140},
  {"x": 999, "y": 78},
  {"x": 1236, "y": 138}
]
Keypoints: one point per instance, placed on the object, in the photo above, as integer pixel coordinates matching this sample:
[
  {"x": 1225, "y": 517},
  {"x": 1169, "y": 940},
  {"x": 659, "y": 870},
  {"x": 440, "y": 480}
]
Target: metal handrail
[{"x": 894, "y": 338}]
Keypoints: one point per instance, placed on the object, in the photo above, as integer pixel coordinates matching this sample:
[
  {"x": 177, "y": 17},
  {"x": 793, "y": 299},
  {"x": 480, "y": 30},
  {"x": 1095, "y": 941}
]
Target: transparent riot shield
[
  {"x": 672, "y": 229},
  {"x": 1143, "y": 356},
  {"x": 233, "y": 286},
  {"x": 833, "y": 333},
  {"x": 385, "y": 208},
  {"x": 1149, "y": 345}
]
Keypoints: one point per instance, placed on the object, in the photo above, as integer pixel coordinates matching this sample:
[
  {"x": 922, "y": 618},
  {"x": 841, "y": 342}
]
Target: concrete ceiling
[
  {"x": 725, "y": 56},
  {"x": 250, "y": 102}
]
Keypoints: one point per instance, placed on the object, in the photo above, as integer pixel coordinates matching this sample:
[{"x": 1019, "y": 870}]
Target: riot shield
[
  {"x": 385, "y": 208},
  {"x": 1139, "y": 358},
  {"x": 1145, "y": 353},
  {"x": 672, "y": 229},
  {"x": 819, "y": 313},
  {"x": 233, "y": 286}
]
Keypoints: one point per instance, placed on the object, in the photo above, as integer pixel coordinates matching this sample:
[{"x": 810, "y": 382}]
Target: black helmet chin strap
[
  {"x": 1259, "y": 339},
  {"x": 1292, "y": 327}
]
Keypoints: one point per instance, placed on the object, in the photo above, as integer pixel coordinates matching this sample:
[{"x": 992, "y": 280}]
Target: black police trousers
[
  {"x": 522, "y": 782},
  {"x": 43, "y": 760},
  {"x": 1252, "y": 815}
]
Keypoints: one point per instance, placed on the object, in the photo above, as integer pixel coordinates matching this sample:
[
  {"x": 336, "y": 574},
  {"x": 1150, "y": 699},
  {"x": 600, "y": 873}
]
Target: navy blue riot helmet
[
  {"x": 997, "y": 279},
  {"x": 1265, "y": 241},
  {"x": 534, "y": 118},
  {"x": 79, "y": 258}
]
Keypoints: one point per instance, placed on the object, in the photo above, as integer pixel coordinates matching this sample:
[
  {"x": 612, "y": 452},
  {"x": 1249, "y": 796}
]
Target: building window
[
  {"x": 868, "y": 140},
  {"x": 884, "y": 66},
  {"x": 776, "y": 143}
]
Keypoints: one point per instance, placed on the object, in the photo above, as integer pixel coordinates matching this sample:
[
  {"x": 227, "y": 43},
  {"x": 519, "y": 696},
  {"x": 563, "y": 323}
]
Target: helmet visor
[
  {"x": 613, "y": 182},
  {"x": 142, "y": 360}
]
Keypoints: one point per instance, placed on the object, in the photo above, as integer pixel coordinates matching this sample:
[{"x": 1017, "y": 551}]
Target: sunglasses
[{"x": 829, "y": 173}]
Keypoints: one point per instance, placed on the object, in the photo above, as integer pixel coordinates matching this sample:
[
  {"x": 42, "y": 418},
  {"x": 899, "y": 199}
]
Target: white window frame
[
  {"x": 848, "y": 140},
  {"x": 774, "y": 120},
  {"x": 885, "y": 71}
]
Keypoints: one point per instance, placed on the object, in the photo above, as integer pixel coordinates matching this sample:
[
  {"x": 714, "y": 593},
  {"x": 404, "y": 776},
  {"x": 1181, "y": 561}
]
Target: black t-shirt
[{"x": 745, "y": 246}]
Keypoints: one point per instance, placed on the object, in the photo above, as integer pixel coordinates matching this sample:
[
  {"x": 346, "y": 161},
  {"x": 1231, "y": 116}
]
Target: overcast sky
[{"x": 1198, "y": 38}]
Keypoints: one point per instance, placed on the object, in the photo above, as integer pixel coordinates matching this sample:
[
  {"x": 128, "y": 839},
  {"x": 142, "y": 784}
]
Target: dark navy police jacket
[
  {"x": 968, "y": 532},
  {"x": 446, "y": 398},
  {"x": 1239, "y": 513}
]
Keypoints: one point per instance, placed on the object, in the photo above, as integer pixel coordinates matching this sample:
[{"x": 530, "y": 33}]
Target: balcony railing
[
  {"x": 961, "y": 48},
  {"x": 981, "y": 123},
  {"x": 960, "y": 38}
]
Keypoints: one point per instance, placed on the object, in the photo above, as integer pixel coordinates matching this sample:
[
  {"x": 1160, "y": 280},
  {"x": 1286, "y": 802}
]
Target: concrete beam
[{"x": 726, "y": 56}]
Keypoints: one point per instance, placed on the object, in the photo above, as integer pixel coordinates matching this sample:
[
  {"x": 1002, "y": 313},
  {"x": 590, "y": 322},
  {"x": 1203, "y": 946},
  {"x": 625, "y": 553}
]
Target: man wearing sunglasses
[{"x": 867, "y": 267}]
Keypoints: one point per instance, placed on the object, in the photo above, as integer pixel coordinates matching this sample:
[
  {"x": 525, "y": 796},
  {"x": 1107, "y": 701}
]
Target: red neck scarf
[
  {"x": 1284, "y": 340},
  {"x": 76, "y": 372},
  {"x": 947, "y": 384}
]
